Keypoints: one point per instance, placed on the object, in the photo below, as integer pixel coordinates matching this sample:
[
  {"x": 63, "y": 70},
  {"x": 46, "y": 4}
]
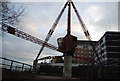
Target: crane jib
[
  {"x": 18, "y": 33},
  {"x": 9, "y": 29}
]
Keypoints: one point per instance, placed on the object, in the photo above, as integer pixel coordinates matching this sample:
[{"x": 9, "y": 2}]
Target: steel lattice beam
[{"x": 18, "y": 33}]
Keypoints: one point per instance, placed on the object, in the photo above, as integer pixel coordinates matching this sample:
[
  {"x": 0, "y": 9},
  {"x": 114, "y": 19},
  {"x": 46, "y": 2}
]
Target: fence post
[
  {"x": 3, "y": 63},
  {"x": 22, "y": 66},
  {"x": 11, "y": 65},
  {"x": 30, "y": 68}
]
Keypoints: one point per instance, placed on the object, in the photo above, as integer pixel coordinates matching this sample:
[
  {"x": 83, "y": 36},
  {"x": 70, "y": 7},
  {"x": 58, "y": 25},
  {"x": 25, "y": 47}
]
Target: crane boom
[{"x": 18, "y": 33}]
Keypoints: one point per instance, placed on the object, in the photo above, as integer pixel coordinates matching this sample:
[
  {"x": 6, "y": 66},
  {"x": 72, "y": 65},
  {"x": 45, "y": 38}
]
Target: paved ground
[
  {"x": 28, "y": 76},
  {"x": 51, "y": 77},
  {"x": 39, "y": 78}
]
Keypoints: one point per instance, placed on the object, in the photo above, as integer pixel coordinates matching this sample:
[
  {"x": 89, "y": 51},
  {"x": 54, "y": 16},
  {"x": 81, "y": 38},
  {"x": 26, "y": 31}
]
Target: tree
[{"x": 11, "y": 13}]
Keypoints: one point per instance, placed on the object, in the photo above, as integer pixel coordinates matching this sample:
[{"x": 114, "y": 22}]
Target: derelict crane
[
  {"x": 85, "y": 30},
  {"x": 11, "y": 30}
]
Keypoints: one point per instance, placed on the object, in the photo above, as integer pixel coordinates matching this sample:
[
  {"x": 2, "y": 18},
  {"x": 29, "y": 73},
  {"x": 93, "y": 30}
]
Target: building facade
[
  {"x": 84, "y": 53},
  {"x": 108, "y": 47}
]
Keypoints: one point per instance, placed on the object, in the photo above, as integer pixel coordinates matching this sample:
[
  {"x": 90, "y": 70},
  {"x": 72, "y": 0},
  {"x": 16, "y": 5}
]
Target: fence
[
  {"x": 84, "y": 72},
  {"x": 12, "y": 65}
]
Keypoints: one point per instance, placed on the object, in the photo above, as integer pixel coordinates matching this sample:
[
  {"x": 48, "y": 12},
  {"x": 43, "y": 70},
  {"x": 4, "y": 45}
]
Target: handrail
[
  {"x": 11, "y": 66},
  {"x": 14, "y": 61}
]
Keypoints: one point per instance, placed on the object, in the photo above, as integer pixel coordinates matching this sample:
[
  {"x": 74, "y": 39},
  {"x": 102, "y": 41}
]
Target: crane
[
  {"x": 19, "y": 33},
  {"x": 85, "y": 30},
  {"x": 51, "y": 30},
  {"x": 11, "y": 30}
]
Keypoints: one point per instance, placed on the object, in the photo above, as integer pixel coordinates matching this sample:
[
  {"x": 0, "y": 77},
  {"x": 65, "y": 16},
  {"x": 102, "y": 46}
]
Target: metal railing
[{"x": 13, "y": 65}]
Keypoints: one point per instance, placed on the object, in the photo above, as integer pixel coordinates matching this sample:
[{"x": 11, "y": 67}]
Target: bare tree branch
[{"x": 10, "y": 13}]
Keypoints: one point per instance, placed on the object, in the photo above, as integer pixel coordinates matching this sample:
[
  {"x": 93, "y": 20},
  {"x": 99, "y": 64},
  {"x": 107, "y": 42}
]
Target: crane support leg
[
  {"x": 51, "y": 30},
  {"x": 35, "y": 63},
  {"x": 67, "y": 70}
]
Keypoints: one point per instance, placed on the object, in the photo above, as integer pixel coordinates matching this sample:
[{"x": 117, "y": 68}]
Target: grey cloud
[{"x": 110, "y": 13}]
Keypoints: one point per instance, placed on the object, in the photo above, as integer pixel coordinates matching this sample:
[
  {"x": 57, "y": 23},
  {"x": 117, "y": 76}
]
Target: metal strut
[
  {"x": 69, "y": 19},
  {"x": 85, "y": 30},
  {"x": 51, "y": 30}
]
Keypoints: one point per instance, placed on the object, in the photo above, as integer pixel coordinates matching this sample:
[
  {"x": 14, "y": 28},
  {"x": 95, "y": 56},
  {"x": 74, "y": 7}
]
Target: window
[
  {"x": 80, "y": 46},
  {"x": 78, "y": 51},
  {"x": 89, "y": 52},
  {"x": 105, "y": 58},
  {"x": 112, "y": 37},
  {"x": 85, "y": 52},
  {"x": 85, "y": 48},
  {"x": 102, "y": 51},
  {"x": 89, "y": 55},
  {"x": 102, "y": 45},
  {"x": 89, "y": 47},
  {"x": 103, "y": 39},
  {"x": 81, "y": 51}
]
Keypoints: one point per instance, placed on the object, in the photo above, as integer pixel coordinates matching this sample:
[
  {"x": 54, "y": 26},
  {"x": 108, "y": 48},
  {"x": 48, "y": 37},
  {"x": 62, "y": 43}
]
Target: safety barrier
[{"x": 12, "y": 65}]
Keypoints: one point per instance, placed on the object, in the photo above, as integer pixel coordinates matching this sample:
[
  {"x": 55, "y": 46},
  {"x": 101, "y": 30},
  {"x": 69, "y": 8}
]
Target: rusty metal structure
[{"x": 68, "y": 47}]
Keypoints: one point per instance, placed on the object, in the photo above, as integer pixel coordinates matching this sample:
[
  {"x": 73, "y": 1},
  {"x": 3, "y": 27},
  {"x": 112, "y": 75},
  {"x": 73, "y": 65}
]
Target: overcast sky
[{"x": 98, "y": 17}]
